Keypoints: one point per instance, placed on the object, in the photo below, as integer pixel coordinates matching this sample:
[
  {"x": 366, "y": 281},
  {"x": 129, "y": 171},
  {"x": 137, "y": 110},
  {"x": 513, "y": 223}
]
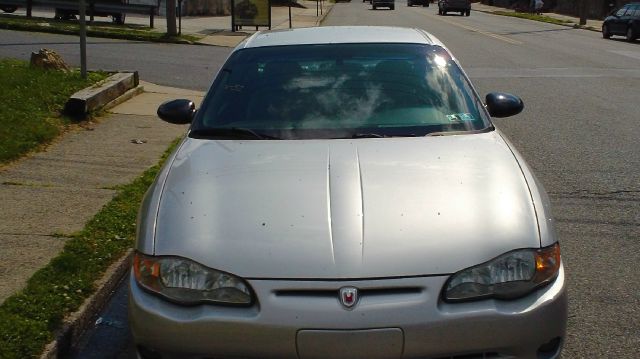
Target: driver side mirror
[
  {"x": 178, "y": 112},
  {"x": 501, "y": 104}
]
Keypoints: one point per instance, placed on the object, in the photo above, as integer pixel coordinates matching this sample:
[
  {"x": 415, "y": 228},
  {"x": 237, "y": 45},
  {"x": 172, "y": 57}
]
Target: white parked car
[{"x": 342, "y": 193}]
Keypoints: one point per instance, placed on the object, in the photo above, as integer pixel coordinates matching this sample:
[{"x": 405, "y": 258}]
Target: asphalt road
[
  {"x": 183, "y": 66},
  {"x": 579, "y": 132}
]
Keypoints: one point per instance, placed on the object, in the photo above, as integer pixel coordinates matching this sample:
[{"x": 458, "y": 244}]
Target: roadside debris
[{"x": 48, "y": 60}]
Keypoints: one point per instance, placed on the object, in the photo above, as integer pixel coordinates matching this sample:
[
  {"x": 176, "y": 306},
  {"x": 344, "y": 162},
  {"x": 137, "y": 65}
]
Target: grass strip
[
  {"x": 31, "y": 100},
  {"x": 29, "y": 319},
  {"x": 126, "y": 32},
  {"x": 535, "y": 17}
]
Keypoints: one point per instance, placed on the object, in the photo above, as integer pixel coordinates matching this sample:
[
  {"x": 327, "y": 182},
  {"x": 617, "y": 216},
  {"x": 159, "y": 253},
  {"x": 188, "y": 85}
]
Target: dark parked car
[
  {"x": 624, "y": 21},
  {"x": 418, "y": 2},
  {"x": 8, "y": 8},
  {"x": 375, "y": 4},
  {"x": 461, "y": 6},
  {"x": 116, "y": 16}
]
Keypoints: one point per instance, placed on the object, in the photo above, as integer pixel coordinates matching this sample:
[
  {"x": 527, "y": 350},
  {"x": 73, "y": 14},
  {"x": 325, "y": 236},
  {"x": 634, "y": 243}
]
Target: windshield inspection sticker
[{"x": 460, "y": 117}]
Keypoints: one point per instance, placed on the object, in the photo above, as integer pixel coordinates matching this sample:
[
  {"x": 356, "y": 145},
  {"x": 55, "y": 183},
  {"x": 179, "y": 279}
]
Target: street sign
[{"x": 250, "y": 13}]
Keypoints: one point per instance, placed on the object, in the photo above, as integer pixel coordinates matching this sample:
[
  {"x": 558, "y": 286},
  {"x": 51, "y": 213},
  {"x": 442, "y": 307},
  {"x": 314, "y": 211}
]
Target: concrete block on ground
[{"x": 95, "y": 97}]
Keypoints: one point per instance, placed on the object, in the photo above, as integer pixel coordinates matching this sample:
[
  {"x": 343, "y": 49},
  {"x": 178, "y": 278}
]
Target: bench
[{"x": 93, "y": 8}]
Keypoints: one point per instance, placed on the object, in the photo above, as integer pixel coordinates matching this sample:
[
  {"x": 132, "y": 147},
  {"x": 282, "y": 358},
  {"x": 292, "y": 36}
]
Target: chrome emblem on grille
[{"x": 348, "y": 296}]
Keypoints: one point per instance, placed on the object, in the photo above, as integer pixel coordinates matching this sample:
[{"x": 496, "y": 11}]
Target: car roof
[{"x": 339, "y": 35}]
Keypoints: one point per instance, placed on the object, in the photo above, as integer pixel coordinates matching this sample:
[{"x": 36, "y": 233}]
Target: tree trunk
[
  {"x": 583, "y": 11},
  {"x": 172, "y": 29}
]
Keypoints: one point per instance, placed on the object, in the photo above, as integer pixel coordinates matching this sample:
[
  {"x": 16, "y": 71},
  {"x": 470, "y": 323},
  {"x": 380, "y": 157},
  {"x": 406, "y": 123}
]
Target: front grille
[{"x": 334, "y": 292}]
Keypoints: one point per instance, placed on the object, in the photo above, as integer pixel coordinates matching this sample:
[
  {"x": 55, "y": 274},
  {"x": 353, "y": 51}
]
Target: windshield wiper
[
  {"x": 460, "y": 132},
  {"x": 367, "y": 135},
  {"x": 232, "y": 132},
  {"x": 377, "y": 135}
]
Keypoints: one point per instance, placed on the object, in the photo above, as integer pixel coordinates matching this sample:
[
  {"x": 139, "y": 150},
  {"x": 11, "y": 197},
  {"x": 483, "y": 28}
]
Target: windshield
[{"x": 339, "y": 91}]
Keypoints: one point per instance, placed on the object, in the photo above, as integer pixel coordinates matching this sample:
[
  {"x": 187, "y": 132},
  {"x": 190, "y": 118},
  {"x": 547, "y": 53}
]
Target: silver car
[{"x": 342, "y": 193}]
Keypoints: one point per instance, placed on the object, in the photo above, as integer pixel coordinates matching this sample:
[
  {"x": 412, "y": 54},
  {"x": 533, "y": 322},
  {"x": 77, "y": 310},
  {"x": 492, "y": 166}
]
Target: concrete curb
[
  {"x": 124, "y": 97},
  {"x": 94, "y": 98},
  {"x": 75, "y": 324},
  {"x": 573, "y": 25}
]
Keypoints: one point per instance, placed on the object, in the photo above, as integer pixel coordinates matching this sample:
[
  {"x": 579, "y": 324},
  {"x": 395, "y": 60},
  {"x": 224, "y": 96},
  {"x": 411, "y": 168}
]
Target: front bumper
[{"x": 394, "y": 318}]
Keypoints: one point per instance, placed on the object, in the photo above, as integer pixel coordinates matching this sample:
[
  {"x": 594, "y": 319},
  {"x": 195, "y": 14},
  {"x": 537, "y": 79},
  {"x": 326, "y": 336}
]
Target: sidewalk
[
  {"x": 52, "y": 194},
  {"x": 48, "y": 196},
  {"x": 571, "y": 21},
  {"x": 217, "y": 29}
]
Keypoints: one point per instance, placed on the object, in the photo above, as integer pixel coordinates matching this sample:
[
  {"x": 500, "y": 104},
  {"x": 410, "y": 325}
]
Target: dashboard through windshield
[{"x": 339, "y": 91}]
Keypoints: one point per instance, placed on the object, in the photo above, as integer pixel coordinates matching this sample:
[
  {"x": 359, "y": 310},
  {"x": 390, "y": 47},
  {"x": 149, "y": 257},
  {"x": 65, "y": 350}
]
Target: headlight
[
  {"x": 509, "y": 276},
  {"x": 185, "y": 281}
]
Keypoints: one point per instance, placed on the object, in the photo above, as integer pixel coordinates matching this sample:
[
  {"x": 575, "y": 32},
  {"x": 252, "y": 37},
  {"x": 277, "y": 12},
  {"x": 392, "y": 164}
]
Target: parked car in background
[
  {"x": 8, "y": 8},
  {"x": 375, "y": 4},
  {"x": 343, "y": 193},
  {"x": 117, "y": 16},
  {"x": 624, "y": 21},
  {"x": 418, "y": 2},
  {"x": 461, "y": 6}
]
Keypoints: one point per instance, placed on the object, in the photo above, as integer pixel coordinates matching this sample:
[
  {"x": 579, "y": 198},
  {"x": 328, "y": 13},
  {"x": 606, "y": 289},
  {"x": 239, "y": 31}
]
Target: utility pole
[
  {"x": 171, "y": 18},
  {"x": 83, "y": 39}
]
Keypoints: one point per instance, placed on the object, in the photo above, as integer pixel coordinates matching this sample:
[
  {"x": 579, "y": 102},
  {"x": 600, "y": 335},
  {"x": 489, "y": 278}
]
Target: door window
[{"x": 631, "y": 10}]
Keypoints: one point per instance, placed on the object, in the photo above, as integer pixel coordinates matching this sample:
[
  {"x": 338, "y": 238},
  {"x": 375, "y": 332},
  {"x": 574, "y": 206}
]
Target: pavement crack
[
  {"x": 54, "y": 235},
  {"x": 28, "y": 184}
]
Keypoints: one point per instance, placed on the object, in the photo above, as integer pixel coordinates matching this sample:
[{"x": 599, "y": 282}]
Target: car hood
[{"x": 362, "y": 208}]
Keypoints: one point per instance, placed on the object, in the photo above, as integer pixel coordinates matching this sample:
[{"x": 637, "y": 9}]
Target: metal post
[
  {"x": 179, "y": 17},
  {"x": 269, "y": 5},
  {"x": 290, "y": 13},
  {"x": 233, "y": 16},
  {"x": 83, "y": 39},
  {"x": 320, "y": 7},
  {"x": 317, "y": 7}
]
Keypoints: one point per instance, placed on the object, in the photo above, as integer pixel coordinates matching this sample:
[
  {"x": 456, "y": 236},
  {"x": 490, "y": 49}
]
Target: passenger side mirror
[
  {"x": 178, "y": 112},
  {"x": 503, "y": 104}
]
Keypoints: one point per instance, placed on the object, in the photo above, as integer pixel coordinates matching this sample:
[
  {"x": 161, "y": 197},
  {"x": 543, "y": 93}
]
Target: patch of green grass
[
  {"x": 108, "y": 30},
  {"x": 536, "y": 17},
  {"x": 31, "y": 101},
  {"x": 29, "y": 319}
]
